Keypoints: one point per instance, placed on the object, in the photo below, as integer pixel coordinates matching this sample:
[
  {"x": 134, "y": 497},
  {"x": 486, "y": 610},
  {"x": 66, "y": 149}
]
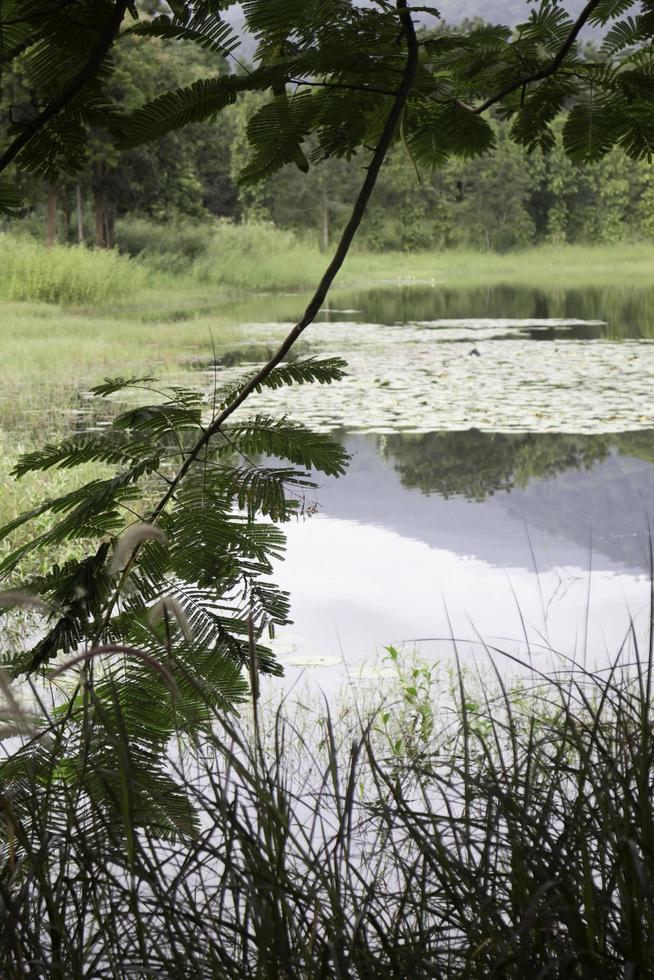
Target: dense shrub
[
  {"x": 168, "y": 247},
  {"x": 257, "y": 255}
]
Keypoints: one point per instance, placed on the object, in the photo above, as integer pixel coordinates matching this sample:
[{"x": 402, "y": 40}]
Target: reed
[
  {"x": 515, "y": 839},
  {"x": 67, "y": 275}
]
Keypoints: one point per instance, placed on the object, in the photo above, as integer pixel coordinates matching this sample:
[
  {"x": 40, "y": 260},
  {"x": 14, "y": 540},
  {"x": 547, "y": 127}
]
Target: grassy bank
[
  {"x": 260, "y": 258},
  {"x": 69, "y": 316},
  {"x": 255, "y": 258}
]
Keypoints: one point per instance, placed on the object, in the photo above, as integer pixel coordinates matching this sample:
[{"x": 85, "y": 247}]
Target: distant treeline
[{"x": 504, "y": 200}]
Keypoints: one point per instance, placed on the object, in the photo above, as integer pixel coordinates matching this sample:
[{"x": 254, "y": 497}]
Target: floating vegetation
[{"x": 420, "y": 377}]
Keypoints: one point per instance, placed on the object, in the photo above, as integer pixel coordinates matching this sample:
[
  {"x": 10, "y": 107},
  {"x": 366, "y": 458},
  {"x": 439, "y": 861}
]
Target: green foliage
[
  {"x": 170, "y": 70},
  {"x": 64, "y": 275},
  {"x": 166, "y": 248},
  {"x": 409, "y": 723},
  {"x": 50, "y": 45},
  {"x": 255, "y": 255},
  {"x": 205, "y": 567},
  {"x": 327, "y": 74}
]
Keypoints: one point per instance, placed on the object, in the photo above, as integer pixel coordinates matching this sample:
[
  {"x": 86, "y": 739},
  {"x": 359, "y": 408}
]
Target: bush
[
  {"x": 64, "y": 274},
  {"x": 250, "y": 256},
  {"x": 171, "y": 247}
]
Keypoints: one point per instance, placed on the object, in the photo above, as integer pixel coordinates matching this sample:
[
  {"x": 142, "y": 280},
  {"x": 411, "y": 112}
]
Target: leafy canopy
[{"x": 331, "y": 69}]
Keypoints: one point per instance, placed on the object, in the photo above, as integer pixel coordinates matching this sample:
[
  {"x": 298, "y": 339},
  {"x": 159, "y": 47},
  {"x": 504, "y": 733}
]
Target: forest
[{"x": 506, "y": 199}]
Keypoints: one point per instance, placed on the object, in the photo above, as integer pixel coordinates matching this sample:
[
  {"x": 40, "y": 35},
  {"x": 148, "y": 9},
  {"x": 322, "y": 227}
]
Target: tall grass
[
  {"x": 262, "y": 257},
  {"x": 64, "y": 274},
  {"x": 516, "y": 840},
  {"x": 194, "y": 260},
  {"x": 257, "y": 256}
]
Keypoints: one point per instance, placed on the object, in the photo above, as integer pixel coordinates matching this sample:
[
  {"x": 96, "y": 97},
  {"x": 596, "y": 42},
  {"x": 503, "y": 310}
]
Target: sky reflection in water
[{"x": 384, "y": 563}]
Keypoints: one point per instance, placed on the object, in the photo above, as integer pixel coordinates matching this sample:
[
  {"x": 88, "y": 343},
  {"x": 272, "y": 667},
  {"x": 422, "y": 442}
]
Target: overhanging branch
[
  {"x": 74, "y": 87},
  {"x": 401, "y": 98},
  {"x": 549, "y": 70}
]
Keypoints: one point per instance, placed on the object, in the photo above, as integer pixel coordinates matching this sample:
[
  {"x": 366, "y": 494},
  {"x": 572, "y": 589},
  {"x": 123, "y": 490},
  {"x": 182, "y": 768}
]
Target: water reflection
[
  {"x": 455, "y": 530},
  {"x": 611, "y": 313},
  {"x": 475, "y": 493}
]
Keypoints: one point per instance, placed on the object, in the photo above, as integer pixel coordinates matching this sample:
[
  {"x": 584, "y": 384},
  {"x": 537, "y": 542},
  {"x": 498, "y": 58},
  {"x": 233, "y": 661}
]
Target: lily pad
[{"x": 431, "y": 384}]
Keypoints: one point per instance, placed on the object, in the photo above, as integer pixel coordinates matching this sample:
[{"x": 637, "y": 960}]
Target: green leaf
[
  {"x": 112, "y": 385},
  {"x": 286, "y": 440},
  {"x": 590, "y": 131},
  {"x": 10, "y": 199}
]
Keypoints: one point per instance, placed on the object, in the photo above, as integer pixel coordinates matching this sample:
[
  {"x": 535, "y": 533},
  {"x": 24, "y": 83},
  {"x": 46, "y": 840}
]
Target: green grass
[
  {"x": 51, "y": 355},
  {"x": 66, "y": 275},
  {"x": 515, "y": 839},
  {"x": 563, "y": 267},
  {"x": 259, "y": 257}
]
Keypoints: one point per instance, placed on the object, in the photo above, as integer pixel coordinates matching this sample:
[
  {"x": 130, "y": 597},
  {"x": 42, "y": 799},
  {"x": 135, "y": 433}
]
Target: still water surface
[{"x": 501, "y": 479}]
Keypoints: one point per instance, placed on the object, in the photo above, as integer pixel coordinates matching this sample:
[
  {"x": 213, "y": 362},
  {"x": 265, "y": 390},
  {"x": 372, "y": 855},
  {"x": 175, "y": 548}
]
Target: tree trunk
[
  {"x": 99, "y": 206},
  {"x": 80, "y": 215},
  {"x": 66, "y": 215},
  {"x": 51, "y": 223}
]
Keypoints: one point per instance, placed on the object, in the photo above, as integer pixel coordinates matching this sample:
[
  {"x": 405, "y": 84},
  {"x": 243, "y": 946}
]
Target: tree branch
[
  {"x": 334, "y": 267},
  {"x": 343, "y": 85},
  {"x": 390, "y": 127},
  {"x": 74, "y": 87},
  {"x": 551, "y": 69}
]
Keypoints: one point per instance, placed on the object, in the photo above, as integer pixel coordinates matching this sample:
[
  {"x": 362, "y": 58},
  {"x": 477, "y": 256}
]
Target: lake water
[{"x": 501, "y": 479}]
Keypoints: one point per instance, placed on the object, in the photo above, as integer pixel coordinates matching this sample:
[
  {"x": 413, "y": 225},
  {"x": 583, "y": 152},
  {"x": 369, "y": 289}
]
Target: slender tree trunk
[
  {"x": 66, "y": 214},
  {"x": 80, "y": 215},
  {"x": 98, "y": 206},
  {"x": 51, "y": 223}
]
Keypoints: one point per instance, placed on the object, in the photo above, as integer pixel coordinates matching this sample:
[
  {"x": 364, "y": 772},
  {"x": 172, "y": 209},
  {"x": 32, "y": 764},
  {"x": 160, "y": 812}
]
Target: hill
[{"x": 454, "y": 11}]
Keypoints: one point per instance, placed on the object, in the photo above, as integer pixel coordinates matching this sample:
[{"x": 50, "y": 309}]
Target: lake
[
  {"x": 502, "y": 445},
  {"x": 501, "y": 475}
]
